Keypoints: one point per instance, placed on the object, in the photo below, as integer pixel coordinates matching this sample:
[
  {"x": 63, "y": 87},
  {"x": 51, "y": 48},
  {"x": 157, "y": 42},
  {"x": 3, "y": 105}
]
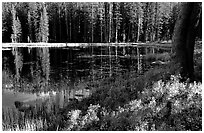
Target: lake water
[{"x": 32, "y": 75}]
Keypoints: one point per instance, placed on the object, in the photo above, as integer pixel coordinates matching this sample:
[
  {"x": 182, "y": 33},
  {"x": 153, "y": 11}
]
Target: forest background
[{"x": 84, "y": 22}]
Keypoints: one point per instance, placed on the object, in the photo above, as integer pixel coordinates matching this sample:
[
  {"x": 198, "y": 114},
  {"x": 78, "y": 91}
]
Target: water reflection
[
  {"x": 18, "y": 60},
  {"x": 63, "y": 74}
]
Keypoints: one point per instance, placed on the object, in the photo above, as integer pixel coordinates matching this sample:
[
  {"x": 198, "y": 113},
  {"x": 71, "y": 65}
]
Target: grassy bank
[{"x": 119, "y": 104}]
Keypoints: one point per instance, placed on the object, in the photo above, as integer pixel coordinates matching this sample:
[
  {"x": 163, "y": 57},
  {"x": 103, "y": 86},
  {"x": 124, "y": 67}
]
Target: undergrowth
[{"x": 149, "y": 112}]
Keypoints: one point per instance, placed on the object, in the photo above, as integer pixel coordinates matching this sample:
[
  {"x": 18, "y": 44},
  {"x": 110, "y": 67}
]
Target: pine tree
[
  {"x": 6, "y": 21},
  {"x": 44, "y": 26},
  {"x": 102, "y": 20},
  {"x": 136, "y": 19},
  {"x": 16, "y": 27},
  {"x": 16, "y": 37},
  {"x": 30, "y": 38},
  {"x": 117, "y": 19}
]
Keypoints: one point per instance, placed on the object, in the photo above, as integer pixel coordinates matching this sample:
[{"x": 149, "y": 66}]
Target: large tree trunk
[{"x": 184, "y": 38}]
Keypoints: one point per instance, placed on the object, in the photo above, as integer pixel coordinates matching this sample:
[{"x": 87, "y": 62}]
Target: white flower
[
  {"x": 75, "y": 114},
  {"x": 135, "y": 105},
  {"x": 152, "y": 103}
]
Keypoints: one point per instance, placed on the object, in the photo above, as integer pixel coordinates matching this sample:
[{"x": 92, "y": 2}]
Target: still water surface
[{"x": 33, "y": 74}]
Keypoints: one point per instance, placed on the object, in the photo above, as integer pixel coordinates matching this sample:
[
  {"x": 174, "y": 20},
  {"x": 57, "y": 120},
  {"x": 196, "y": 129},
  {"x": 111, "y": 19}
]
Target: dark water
[{"x": 34, "y": 74}]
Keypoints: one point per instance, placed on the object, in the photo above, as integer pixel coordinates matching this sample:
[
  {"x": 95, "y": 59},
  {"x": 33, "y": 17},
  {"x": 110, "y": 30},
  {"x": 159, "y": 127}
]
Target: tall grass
[
  {"x": 42, "y": 117},
  {"x": 28, "y": 125}
]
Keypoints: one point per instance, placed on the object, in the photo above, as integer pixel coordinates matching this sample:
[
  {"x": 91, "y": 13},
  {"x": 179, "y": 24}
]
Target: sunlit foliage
[{"x": 150, "y": 111}]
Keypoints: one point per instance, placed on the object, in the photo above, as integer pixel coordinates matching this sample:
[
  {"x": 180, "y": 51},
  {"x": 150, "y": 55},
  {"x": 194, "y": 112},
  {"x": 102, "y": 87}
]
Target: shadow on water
[{"x": 45, "y": 80}]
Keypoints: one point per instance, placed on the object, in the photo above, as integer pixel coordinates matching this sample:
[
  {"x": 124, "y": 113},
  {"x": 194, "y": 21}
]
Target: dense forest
[{"x": 88, "y": 22}]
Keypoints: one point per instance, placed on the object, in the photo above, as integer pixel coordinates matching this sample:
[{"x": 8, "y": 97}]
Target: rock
[
  {"x": 9, "y": 86},
  {"x": 74, "y": 100},
  {"x": 158, "y": 63},
  {"x": 23, "y": 107}
]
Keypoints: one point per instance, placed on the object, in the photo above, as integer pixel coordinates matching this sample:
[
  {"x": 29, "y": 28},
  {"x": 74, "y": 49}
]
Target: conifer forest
[{"x": 89, "y": 22}]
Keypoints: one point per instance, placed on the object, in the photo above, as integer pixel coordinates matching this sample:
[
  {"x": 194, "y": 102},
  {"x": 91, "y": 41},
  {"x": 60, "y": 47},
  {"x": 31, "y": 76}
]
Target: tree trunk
[
  {"x": 138, "y": 30},
  {"x": 66, "y": 22},
  {"x": 92, "y": 23},
  {"x": 106, "y": 22},
  {"x": 70, "y": 25},
  {"x": 184, "y": 38},
  {"x": 59, "y": 15},
  {"x": 110, "y": 17},
  {"x": 156, "y": 23}
]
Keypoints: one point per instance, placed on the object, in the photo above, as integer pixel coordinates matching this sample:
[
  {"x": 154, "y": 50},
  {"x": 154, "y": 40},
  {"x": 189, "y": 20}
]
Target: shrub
[
  {"x": 151, "y": 109},
  {"x": 165, "y": 106},
  {"x": 78, "y": 122}
]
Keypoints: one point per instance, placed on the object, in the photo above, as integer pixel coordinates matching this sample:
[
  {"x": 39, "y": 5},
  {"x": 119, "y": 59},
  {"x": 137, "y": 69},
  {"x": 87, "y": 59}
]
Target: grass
[
  {"x": 42, "y": 117},
  {"x": 14, "y": 120},
  {"x": 28, "y": 125}
]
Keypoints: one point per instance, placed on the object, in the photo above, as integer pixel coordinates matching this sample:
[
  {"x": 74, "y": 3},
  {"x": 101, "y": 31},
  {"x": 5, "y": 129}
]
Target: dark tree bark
[{"x": 184, "y": 38}]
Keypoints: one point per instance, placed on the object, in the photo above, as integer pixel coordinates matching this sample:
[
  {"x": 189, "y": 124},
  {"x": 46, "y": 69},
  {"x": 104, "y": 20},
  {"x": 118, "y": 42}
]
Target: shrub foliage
[{"x": 165, "y": 106}]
